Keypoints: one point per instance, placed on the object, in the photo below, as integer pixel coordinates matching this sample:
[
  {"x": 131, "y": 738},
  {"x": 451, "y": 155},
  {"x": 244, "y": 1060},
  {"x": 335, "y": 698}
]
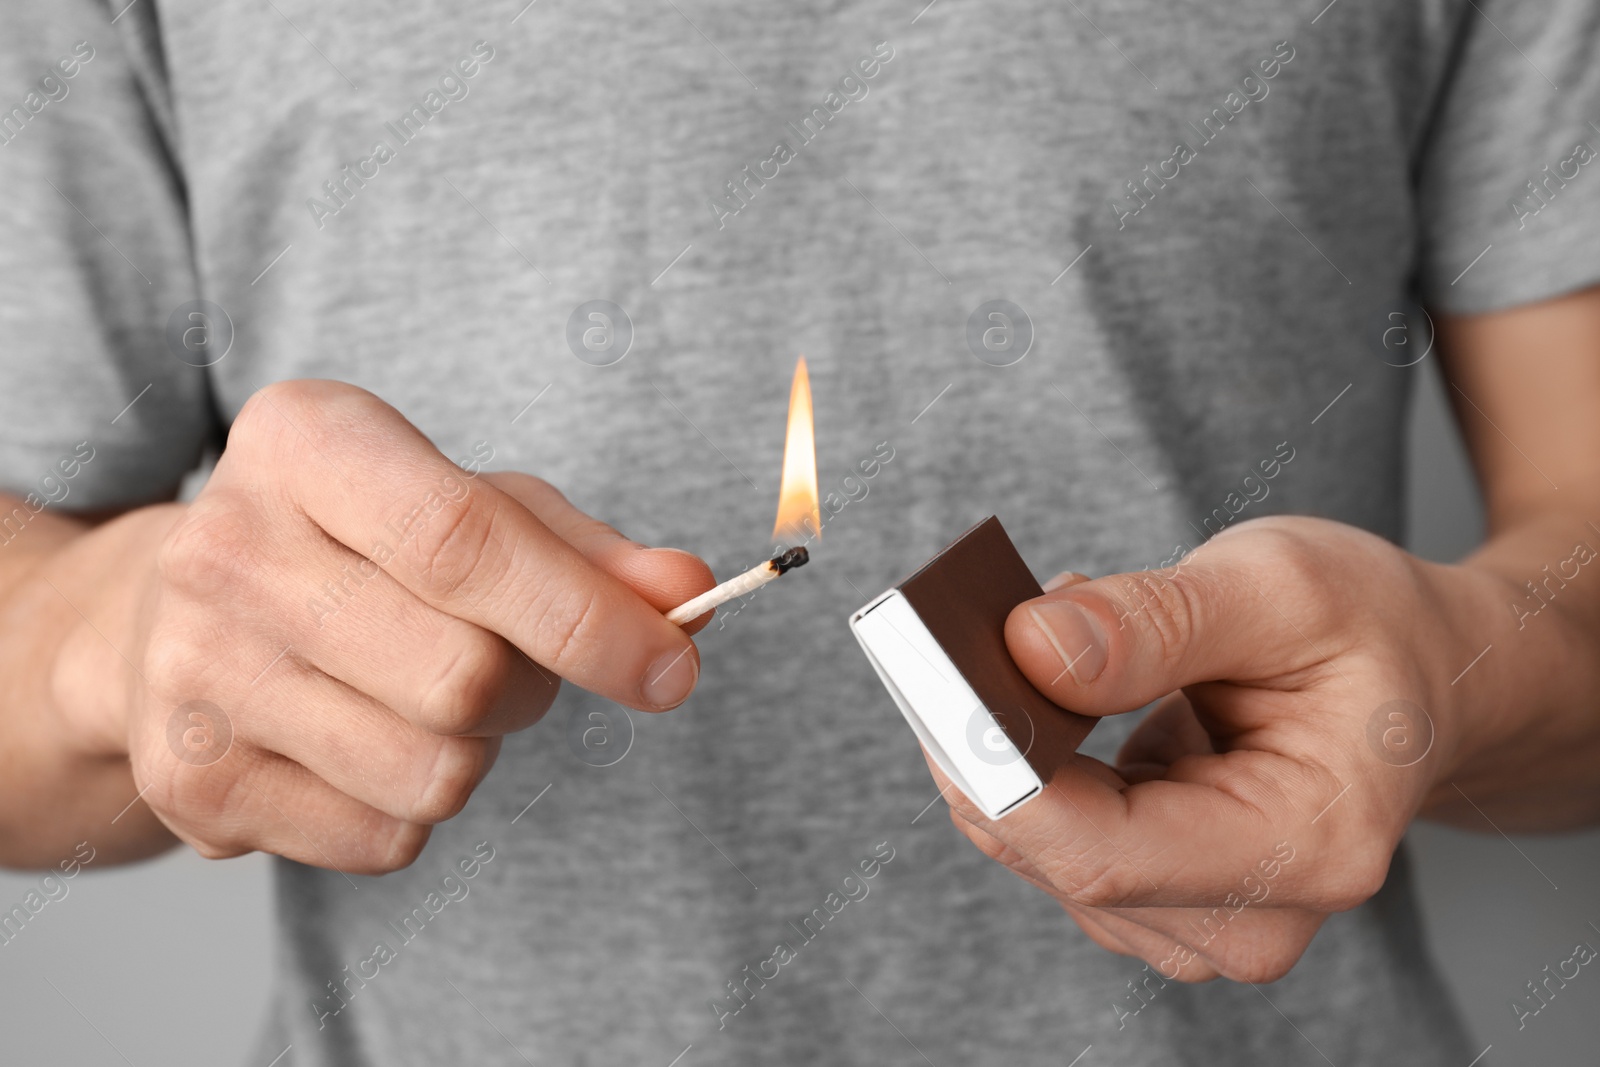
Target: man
[{"x": 421, "y": 267}]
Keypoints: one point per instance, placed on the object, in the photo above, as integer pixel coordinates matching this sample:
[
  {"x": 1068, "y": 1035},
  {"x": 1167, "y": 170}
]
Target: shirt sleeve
[
  {"x": 1509, "y": 175},
  {"x": 94, "y": 263}
]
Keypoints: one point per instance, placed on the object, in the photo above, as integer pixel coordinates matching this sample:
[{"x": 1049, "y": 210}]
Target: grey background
[{"x": 168, "y": 962}]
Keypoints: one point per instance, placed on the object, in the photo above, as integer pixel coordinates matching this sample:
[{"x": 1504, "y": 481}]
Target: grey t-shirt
[{"x": 1206, "y": 219}]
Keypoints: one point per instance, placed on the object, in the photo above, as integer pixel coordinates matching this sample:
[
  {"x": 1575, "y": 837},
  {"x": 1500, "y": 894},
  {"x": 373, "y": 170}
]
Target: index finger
[
  {"x": 357, "y": 469},
  {"x": 1217, "y": 831},
  {"x": 664, "y": 577}
]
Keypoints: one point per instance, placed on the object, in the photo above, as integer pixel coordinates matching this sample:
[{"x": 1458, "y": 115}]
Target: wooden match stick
[{"x": 733, "y": 588}]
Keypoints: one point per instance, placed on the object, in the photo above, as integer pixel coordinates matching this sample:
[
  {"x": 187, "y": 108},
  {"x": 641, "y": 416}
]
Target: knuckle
[
  {"x": 211, "y": 550},
  {"x": 454, "y": 550},
  {"x": 1294, "y": 560},
  {"x": 466, "y": 686},
  {"x": 296, "y": 413},
  {"x": 292, "y": 394},
  {"x": 1296, "y": 572},
  {"x": 271, "y": 412},
  {"x": 462, "y": 768},
  {"x": 199, "y": 795},
  {"x": 1360, "y": 877},
  {"x": 200, "y": 800},
  {"x": 1169, "y": 605},
  {"x": 403, "y": 847},
  {"x": 174, "y": 661},
  {"x": 1105, "y": 886},
  {"x": 1192, "y": 970},
  {"x": 302, "y": 396},
  {"x": 1259, "y": 967},
  {"x": 258, "y": 416},
  {"x": 215, "y": 850},
  {"x": 564, "y": 625}
]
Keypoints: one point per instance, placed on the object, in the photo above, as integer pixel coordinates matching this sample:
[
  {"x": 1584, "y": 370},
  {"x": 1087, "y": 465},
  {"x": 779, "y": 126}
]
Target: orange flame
[{"x": 799, "y": 513}]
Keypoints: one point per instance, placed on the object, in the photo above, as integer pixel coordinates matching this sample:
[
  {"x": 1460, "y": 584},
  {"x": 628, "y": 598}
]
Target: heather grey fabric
[{"x": 1213, "y": 217}]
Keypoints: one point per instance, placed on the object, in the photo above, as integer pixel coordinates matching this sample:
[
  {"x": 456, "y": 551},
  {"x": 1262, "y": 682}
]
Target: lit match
[
  {"x": 799, "y": 510},
  {"x": 733, "y": 588}
]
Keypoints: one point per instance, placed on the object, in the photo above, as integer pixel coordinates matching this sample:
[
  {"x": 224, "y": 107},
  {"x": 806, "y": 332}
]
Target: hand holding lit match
[
  {"x": 432, "y": 611},
  {"x": 799, "y": 512}
]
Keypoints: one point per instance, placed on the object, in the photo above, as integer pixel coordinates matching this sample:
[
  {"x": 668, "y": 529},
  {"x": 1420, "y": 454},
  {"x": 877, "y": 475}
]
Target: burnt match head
[{"x": 789, "y": 559}]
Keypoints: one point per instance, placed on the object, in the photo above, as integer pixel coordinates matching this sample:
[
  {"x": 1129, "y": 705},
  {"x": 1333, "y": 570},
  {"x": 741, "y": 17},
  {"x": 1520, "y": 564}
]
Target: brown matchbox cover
[{"x": 937, "y": 639}]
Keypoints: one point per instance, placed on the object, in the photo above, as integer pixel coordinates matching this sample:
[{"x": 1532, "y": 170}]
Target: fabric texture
[{"x": 1209, "y": 215}]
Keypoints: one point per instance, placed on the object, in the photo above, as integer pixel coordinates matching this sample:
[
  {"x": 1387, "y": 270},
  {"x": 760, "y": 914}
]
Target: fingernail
[
  {"x": 670, "y": 678},
  {"x": 1076, "y": 636},
  {"x": 1064, "y": 578}
]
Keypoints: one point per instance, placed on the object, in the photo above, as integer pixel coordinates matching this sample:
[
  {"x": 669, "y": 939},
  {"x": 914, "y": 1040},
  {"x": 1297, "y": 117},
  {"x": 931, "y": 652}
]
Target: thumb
[{"x": 1117, "y": 643}]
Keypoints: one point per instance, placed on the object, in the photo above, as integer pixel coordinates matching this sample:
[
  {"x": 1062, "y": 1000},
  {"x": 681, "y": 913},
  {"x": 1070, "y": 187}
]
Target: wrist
[
  {"x": 1467, "y": 679},
  {"x": 1512, "y": 682},
  {"x": 90, "y": 596}
]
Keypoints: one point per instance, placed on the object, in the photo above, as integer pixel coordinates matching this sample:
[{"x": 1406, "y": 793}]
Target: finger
[
  {"x": 664, "y": 577},
  {"x": 373, "y": 482},
  {"x": 1064, "y": 580},
  {"x": 1237, "y": 941},
  {"x": 1048, "y": 750},
  {"x": 1169, "y": 957},
  {"x": 362, "y": 748},
  {"x": 1001, "y": 853},
  {"x": 1207, "y": 829},
  {"x": 1170, "y": 732},
  {"x": 1050, "y": 753},
  {"x": 1187, "y": 839},
  {"x": 1211, "y": 827},
  {"x": 444, "y": 674},
  {"x": 252, "y": 800},
  {"x": 1238, "y": 609},
  {"x": 1099, "y": 932}
]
